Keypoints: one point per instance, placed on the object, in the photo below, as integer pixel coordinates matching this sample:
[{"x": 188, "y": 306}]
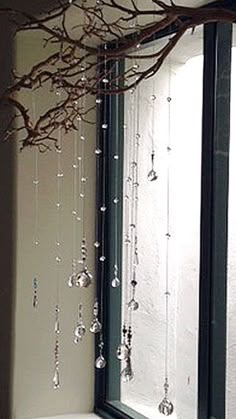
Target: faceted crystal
[
  {"x": 98, "y": 100},
  {"x": 103, "y": 208},
  {"x": 152, "y": 175},
  {"x": 96, "y": 326},
  {"x": 104, "y": 126},
  {"x": 56, "y": 379},
  {"x": 115, "y": 283},
  {"x": 166, "y": 407},
  {"x": 80, "y": 331},
  {"x": 116, "y": 157},
  {"x": 127, "y": 373},
  {"x": 102, "y": 258},
  {"x": 84, "y": 279},
  {"x": 100, "y": 362},
  {"x": 122, "y": 352},
  {"x": 97, "y": 245},
  {"x": 133, "y": 305},
  {"x": 115, "y": 200}
]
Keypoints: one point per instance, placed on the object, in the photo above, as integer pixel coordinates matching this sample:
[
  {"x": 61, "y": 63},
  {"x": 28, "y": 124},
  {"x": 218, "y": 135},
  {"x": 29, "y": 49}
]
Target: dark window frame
[{"x": 213, "y": 237}]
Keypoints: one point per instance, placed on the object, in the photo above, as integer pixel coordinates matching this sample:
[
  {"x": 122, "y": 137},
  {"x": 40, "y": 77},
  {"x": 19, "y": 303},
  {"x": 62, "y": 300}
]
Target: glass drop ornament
[
  {"x": 166, "y": 408},
  {"x": 100, "y": 362},
  {"x": 133, "y": 305},
  {"x": 84, "y": 279},
  {"x": 96, "y": 326},
  {"x": 122, "y": 352},
  {"x": 56, "y": 379},
  {"x": 127, "y": 373},
  {"x": 152, "y": 175},
  {"x": 80, "y": 331},
  {"x": 115, "y": 283}
]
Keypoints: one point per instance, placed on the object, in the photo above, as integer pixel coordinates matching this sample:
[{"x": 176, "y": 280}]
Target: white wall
[
  {"x": 145, "y": 392},
  {"x": 34, "y": 395}
]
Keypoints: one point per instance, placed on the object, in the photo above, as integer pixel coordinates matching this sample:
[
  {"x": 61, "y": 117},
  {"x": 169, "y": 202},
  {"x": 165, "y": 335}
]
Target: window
[{"x": 198, "y": 185}]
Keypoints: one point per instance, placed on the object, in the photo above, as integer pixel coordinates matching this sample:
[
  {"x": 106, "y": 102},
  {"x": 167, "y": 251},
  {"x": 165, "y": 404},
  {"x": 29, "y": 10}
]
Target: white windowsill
[{"x": 72, "y": 416}]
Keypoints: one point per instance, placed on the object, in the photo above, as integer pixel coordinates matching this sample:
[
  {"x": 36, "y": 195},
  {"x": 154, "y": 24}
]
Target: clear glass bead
[
  {"x": 56, "y": 379},
  {"x": 104, "y": 126},
  {"x": 98, "y": 100},
  {"x": 60, "y": 175},
  {"x": 100, "y": 362},
  {"x": 84, "y": 279},
  {"x": 115, "y": 200},
  {"x": 127, "y": 373},
  {"x": 166, "y": 408},
  {"x": 133, "y": 305},
  {"x": 102, "y": 258},
  {"x": 103, "y": 208},
  {"x": 97, "y": 244},
  {"x": 122, "y": 352},
  {"x": 115, "y": 283},
  {"x": 96, "y": 326},
  {"x": 116, "y": 157},
  {"x": 152, "y": 175},
  {"x": 58, "y": 259},
  {"x": 80, "y": 331}
]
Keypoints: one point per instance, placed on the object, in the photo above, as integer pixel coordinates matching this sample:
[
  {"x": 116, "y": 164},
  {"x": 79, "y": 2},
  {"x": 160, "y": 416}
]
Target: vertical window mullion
[
  {"x": 213, "y": 274},
  {"x": 220, "y": 222}
]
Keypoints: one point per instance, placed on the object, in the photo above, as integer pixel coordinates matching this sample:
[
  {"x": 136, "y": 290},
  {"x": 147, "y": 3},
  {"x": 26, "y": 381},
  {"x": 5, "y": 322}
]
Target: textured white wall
[
  {"x": 145, "y": 392},
  {"x": 34, "y": 395}
]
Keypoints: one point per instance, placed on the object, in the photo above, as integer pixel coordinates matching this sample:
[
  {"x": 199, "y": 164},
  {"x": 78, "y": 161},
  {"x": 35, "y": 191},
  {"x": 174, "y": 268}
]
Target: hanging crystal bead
[
  {"x": 100, "y": 362},
  {"x": 127, "y": 373},
  {"x": 166, "y": 408},
  {"x": 84, "y": 279},
  {"x": 96, "y": 326},
  {"x": 56, "y": 379},
  {"x": 115, "y": 281}
]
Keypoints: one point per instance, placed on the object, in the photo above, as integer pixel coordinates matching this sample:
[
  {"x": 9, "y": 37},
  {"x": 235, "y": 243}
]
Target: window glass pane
[
  {"x": 167, "y": 113},
  {"x": 231, "y": 307}
]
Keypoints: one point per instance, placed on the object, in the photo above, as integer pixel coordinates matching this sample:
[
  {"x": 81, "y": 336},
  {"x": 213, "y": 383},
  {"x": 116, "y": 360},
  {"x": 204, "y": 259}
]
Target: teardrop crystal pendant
[
  {"x": 122, "y": 352},
  {"x": 133, "y": 305},
  {"x": 56, "y": 379},
  {"x": 96, "y": 326},
  {"x": 115, "y": 283},
  {"x": 127, "y": 373},
  {"x": 84, "y": 278},
  {"x": 80, "y": 329},
  {"x": 152, "y": 175},
  {"x": 166, "y": 408},
  {"x": 100, "y": 362}
]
